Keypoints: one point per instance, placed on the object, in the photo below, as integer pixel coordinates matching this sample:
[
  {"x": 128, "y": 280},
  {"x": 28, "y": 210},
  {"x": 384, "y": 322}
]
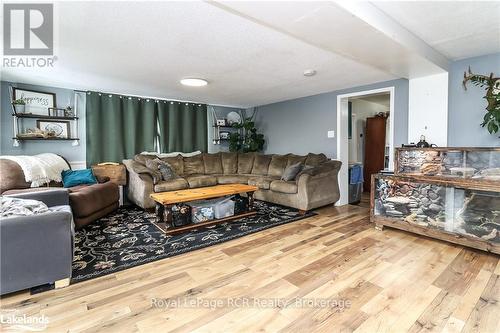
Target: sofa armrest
[
  {"x": 328, "y": 166},
  {"x": 35, "y": 250},
  {"x": 320, "y": 187},
  {"x": 55, "y": 197},
  {"x": 140, "y": 185},
  {"x": 140, "y": 169}
]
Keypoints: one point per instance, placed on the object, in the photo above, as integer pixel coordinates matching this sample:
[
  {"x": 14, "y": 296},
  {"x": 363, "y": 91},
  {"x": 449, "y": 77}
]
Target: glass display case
[
  {"x": 451, "y": 194},
  {"x": 473, "y": 163}
]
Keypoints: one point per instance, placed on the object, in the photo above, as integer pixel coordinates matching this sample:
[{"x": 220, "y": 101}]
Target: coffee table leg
[
  {"x": 167, "y": 211},
  {"x": 250, "y": 200},
  {"x": 159, "y": 213}
]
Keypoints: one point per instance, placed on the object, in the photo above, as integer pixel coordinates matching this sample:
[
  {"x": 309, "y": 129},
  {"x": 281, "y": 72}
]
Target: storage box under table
[
  {"x": 224, "y": 207},
  {"x": 202, "y": 210}
]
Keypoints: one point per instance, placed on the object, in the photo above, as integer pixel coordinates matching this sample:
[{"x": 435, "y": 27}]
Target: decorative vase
[{"x": 19, "y": 108}]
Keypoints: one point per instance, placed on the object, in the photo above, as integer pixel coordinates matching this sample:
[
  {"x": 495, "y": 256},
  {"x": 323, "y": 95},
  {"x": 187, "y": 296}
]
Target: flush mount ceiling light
[
  {"x": 309, "y": 72},
  {"x": 194, "y": 82}
]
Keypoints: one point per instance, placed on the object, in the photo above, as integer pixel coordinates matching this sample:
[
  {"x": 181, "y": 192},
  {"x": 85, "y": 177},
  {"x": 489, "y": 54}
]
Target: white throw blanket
[
  {"x": 164, "y": 155},
  {"x": 40, "y": 169}
]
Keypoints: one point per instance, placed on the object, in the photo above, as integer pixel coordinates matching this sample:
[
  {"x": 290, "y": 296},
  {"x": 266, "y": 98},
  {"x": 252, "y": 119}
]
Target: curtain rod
[{"x": 148, "y": 97}]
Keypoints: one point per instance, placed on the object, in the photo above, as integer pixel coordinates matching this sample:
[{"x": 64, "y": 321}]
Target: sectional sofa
[{"x": 315, "y": 186}]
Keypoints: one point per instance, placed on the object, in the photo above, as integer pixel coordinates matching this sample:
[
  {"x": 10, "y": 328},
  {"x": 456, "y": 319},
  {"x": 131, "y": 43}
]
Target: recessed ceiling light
[
  {"x": 309, "y": 72},
  {"x": 193, "y": 82}
]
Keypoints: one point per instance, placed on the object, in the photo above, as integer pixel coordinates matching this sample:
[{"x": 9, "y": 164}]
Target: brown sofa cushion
[
  {"x": 294, "y": 159},
  {"x": 263, "y": 182},
  {"x": 284, "y": 187},
  {"x": 315, "y": 159},
  {"x": 196, "y": 181},
  {"x": 232, "y": 179},
  {"x": 261, "y": 164},
  {"x": 171, "y": 185},
  {"x": 176, "y": 162},
  {"x": 229, "y": 163},
  {"x": 245, "y": 162},
  {"x": 277, "y": 165},
  {"x": 194, "y": 165},
  {"x": 11, "y": 176},
  {"x": 213, "y": 164},
  {"x": 86, "y": 200}
]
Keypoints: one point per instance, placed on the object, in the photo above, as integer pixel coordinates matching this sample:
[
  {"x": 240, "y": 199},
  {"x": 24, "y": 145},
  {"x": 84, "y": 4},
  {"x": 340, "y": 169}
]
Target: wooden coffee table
[{"x": 165, "y": 201}]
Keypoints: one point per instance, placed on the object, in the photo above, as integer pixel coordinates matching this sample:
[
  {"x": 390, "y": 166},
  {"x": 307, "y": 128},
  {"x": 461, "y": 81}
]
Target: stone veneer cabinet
[{"x": 452, "y": 194}]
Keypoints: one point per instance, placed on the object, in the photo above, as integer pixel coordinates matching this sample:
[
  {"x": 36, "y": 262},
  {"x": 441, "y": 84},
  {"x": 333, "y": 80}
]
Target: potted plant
[
  {"x": 19, "y": 105},
  {"x": 491, "y": 120},
  {"x": 248, "y": 140}
]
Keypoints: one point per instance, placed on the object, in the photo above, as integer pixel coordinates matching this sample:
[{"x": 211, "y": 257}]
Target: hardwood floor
[
  {"x": 383, "y": 281},
  {"x": 365, "y": 200}
]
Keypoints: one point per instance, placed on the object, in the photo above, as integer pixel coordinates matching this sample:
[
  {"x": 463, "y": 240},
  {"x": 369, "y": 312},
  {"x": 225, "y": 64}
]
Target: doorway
[{"x": 365, "y": 143}]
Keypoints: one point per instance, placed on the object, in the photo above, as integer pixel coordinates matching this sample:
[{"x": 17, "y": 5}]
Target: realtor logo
[{"x": 28, "y": 29}]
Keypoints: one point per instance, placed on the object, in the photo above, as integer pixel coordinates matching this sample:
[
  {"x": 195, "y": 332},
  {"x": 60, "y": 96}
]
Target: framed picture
[
  {"x": 37, "y": 102},
  {"x": 59, "y": 128},
  {"x": 56, "y": 112}
]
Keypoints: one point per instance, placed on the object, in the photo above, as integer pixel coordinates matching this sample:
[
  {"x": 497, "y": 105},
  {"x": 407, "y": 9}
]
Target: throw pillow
[
  {"x": 166, "y": 170},
  {"x": 291, "y": 171},
  {"x": 72, "y": 178},
  {"x": 153, "y": 164},
  {"x": 305, "y": 170}
]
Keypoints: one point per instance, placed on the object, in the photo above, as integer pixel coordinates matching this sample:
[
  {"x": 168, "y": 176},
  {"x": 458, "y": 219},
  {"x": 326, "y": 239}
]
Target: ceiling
[
  {"x": 456, "y": 29},
  {"x": 252, "y": 53}
]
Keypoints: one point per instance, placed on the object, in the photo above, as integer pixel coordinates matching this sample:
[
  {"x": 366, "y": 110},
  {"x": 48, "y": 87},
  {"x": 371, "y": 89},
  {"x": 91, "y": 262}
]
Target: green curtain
[
  {"x": 182, "y": 126},
  {"x": 118, "y": 127}
]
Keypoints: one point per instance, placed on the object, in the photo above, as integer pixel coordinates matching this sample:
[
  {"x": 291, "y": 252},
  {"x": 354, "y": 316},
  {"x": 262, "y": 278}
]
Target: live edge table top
[{"x": 173, "y": 197}]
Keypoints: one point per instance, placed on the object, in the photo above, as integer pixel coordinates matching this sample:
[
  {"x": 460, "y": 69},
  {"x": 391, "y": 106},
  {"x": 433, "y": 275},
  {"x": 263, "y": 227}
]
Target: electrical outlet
[{"x": 331, "y": 134}]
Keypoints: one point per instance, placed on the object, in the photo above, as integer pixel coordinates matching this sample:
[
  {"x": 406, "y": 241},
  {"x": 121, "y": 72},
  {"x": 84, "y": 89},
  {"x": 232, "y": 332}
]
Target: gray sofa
[
  {"x": 314, "y": 187},
  {"x": 37, "y": 249}
]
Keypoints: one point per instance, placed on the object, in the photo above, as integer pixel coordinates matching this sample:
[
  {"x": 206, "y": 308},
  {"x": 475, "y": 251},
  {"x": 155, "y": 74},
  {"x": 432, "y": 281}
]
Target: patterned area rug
[{"x": 127, "y": 238}]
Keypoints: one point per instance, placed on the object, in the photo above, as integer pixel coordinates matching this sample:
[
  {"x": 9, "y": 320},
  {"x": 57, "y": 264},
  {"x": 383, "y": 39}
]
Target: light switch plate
[{"x": 331, "y": 134}]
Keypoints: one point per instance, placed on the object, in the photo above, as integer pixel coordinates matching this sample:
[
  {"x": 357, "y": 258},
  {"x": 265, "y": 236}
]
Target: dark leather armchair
[{"x": 88, "y": 202}]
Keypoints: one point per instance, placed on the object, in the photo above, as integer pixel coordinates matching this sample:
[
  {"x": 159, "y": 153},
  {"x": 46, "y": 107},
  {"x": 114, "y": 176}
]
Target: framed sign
[
  {"x": 59, "y": 129},
  {"x": 36, "y": 102}
]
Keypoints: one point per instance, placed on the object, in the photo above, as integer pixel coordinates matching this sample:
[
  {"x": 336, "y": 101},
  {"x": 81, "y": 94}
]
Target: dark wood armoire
[{"x": 374, "y": 149}]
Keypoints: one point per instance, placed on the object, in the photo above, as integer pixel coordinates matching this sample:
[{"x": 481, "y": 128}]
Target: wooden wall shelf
[
  {"x": 39, "y": 116},
  {"x": 46, "y": 139}
]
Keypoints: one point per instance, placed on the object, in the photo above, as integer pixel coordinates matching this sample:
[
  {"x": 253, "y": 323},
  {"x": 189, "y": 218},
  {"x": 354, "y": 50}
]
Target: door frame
[{"x": 343, "y": 141}]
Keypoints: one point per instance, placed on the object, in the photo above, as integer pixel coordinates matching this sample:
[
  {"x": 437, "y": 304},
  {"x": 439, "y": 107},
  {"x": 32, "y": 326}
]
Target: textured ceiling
[
  {"x": 457, "y": 29},
  {"x": 145, "y": 48}
]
